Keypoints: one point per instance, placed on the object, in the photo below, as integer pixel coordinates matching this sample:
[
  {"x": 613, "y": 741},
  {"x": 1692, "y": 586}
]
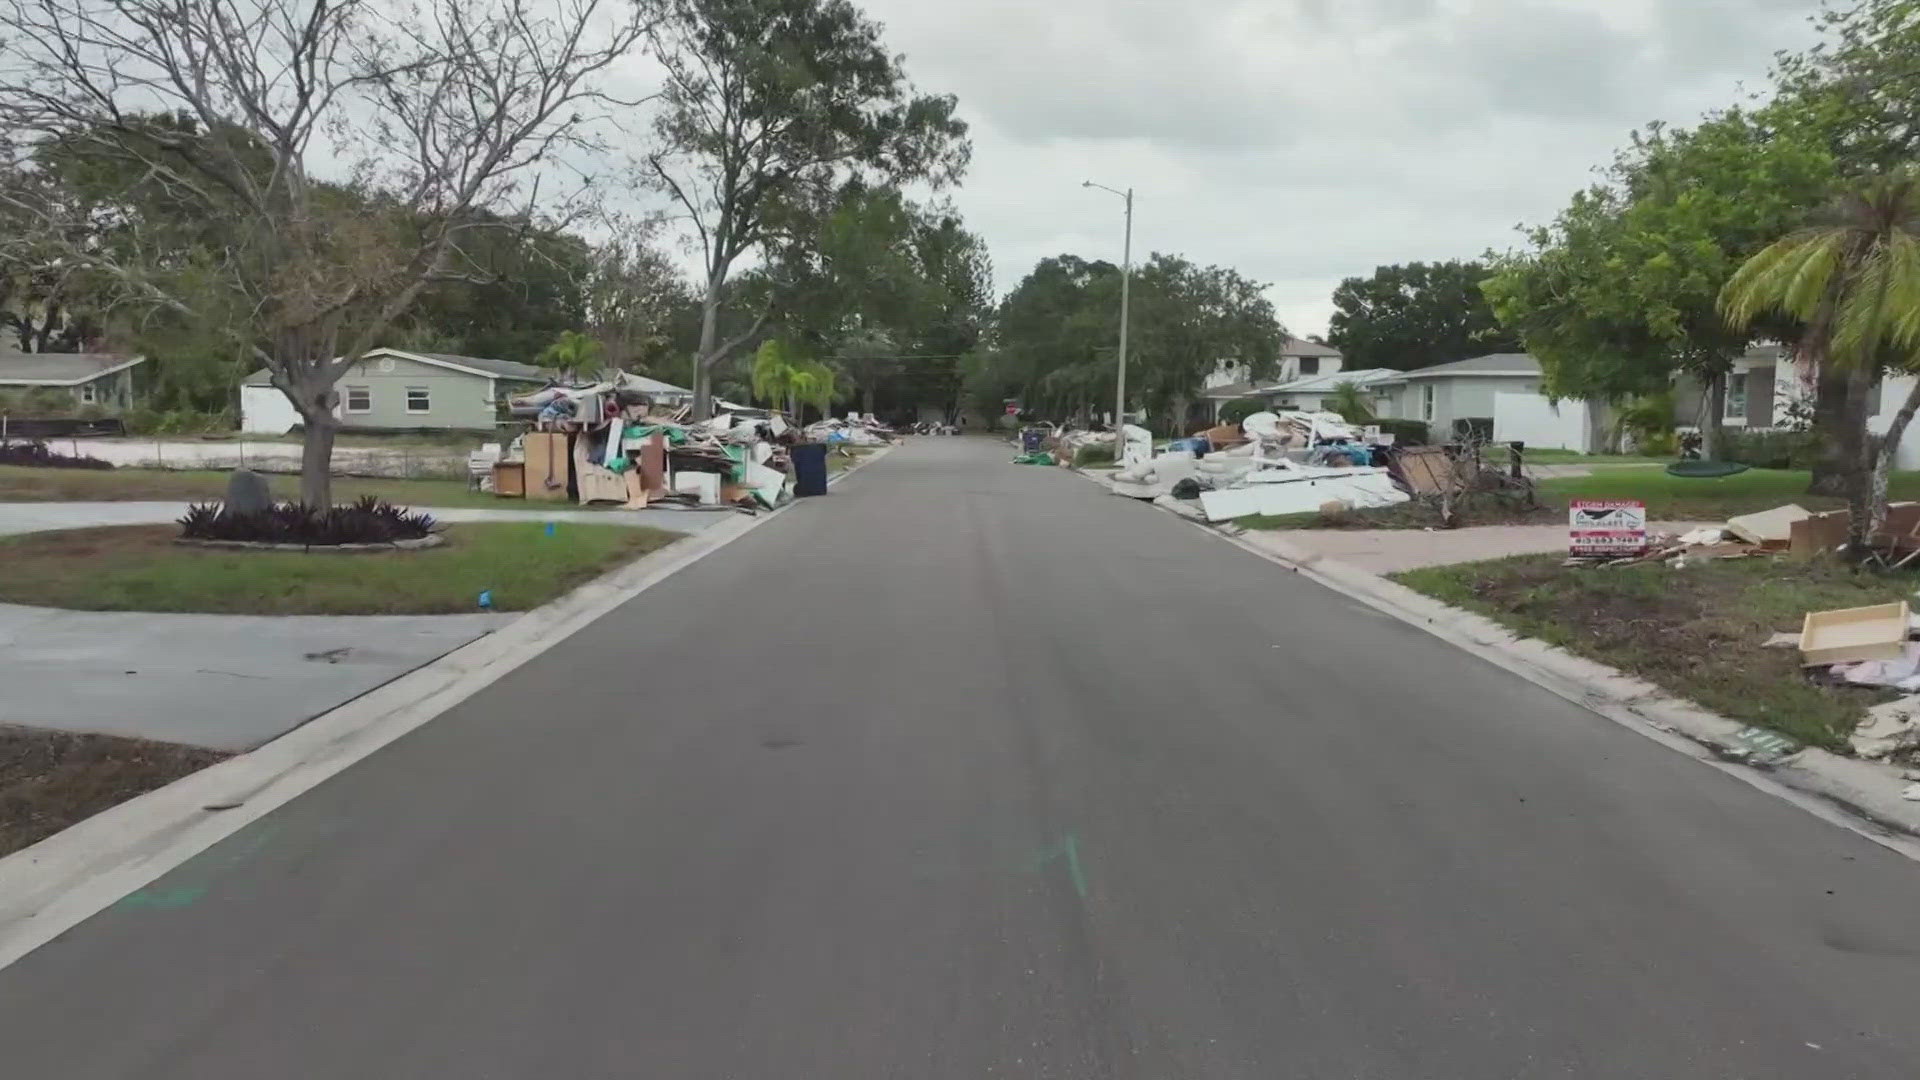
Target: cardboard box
[{"x": 1867, "y": 633}]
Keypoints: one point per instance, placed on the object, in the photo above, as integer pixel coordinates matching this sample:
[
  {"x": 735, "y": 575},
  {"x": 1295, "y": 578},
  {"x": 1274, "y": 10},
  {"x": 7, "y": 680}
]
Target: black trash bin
[{"x": 809, "y": 469}]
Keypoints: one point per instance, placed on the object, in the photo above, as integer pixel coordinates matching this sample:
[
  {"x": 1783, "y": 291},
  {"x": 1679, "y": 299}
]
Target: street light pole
[{"x": 1126, "y": 277}]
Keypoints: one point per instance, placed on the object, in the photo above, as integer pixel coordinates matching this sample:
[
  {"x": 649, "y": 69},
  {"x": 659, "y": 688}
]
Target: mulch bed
[{"x": 50, "y": 779}]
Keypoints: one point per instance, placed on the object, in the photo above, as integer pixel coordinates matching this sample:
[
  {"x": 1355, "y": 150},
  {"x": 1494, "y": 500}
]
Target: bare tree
[
  {"x": 347, "y": 146},
  {"x": 631, "y": 292},
  {"x": 769, "y": 105}
]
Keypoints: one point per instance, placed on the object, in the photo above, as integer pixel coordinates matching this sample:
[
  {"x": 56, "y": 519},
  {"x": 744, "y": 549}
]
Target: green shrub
[
  {"x": 46, "y": 403},
  {"x": 1233, "y": 412},
  {"x": 141, "y": 420},
  {"x": 1657, "y": 444},
  {"x": 1093, "y": 457},
  {"x": 1772, "y": 449},
  {"x": 1405, "y": 432}
]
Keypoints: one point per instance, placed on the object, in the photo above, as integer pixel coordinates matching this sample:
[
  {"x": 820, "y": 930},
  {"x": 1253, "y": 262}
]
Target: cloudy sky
[{"x": 1304, "y": 141}]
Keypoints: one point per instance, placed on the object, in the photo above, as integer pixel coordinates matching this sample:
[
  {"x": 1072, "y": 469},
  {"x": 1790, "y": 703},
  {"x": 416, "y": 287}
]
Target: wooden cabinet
[{"x": 549, "y": 467}]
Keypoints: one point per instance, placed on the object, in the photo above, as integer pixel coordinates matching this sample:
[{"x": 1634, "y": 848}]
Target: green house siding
[{"x": 454, "y": 399}]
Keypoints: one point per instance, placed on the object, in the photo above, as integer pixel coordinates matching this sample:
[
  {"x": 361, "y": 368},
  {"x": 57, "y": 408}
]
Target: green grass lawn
[
  {"x": 1695, "y": 632},
  {"x": 140, "y": 568},
  {"x": 22, "y": 484},
  {"x": 1574, "y": 457},
  {"x": 1673, "y": 498}
]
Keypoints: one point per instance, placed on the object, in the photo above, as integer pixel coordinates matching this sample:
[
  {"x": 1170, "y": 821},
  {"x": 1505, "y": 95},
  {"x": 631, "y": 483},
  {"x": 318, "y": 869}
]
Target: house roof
[
  {"x": 1302, "y": 347},
  {"x": 1324, "y": 384},
  {"x": 483, "y": 366},
  {"x": 1495, "y": 364},
  {"x": 1230, "y": 391},
  {"x": 60, "y": 369}
]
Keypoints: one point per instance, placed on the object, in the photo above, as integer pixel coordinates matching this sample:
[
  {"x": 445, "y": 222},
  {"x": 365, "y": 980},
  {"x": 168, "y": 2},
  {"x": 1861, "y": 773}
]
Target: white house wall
[
  {"x": 1532, "y": 419},
  {"x": 264, "y": 410}
]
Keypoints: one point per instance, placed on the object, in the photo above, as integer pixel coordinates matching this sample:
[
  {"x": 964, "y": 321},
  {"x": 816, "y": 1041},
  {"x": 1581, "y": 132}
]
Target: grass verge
[
  {"x": 140, "y": 568},
  {"x": 1695, "y": 632},
  {"x": 51, "y": 779}
]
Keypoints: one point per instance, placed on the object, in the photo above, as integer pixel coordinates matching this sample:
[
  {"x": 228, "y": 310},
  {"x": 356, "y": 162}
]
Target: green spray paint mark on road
[
  {"x": 172, "y": 899},
  {"x": 199, "y": 874},
  {"x": 1069, "y": 850}
]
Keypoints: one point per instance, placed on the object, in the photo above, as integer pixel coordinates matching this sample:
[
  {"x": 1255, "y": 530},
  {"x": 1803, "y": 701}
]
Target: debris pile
[
  {"x": 855, "y": 430},
  {"x": 1790, "y": 530},
  {"x": 1270, "y": 463},
  {"x": 612, "y": 442}
]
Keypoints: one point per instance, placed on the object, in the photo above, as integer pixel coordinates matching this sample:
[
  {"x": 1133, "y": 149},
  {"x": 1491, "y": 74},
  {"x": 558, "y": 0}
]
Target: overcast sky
[{"x": 1305, "y": 141}]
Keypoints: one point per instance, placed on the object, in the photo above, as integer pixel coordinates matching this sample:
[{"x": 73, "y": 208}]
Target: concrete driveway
[{"x": 227, "y": 682}]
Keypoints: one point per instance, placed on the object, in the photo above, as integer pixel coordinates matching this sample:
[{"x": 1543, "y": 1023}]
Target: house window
[
  {"x": 418, "y": 400},
  {"x": 1309, "y": 365},
  {"x": 1426, "y": 402},
  {"x": 89, "y": 394},
  {"x": 1736, "y": 397},
  {"x": 359, "y": 399}
]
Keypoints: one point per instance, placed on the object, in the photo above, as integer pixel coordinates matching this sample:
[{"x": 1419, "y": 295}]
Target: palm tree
[
  {"x": 781, "y": 374},
  {"x": 1854, "y": 282},
  {"x": 573, "y": 351},
  {"x": 1349, "y": 399}
]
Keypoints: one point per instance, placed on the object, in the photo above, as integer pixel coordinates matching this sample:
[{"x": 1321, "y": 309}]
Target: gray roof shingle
[
  {"x": 59, "y": 369},
  {"x": 504, "y": 369},
  {"x": 1491, "y": 364}
]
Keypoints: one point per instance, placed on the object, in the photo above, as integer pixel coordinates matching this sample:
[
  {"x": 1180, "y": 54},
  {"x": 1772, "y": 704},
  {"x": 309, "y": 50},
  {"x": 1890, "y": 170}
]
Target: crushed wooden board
[{"x": 1769, "y": 528}]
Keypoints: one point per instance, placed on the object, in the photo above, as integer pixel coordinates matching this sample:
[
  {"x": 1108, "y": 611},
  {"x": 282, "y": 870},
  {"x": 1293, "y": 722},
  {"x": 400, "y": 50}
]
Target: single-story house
[
  {"x": 1310, "y": 394},
  {"x": 103, "y": 379},
  {"x": 1499, "y": 397},
  {"x": 1458, "y": 396},
  {"x": 394, "y": 388}
]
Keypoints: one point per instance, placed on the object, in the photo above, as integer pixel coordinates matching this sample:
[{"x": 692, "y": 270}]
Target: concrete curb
[
  {"x": 54, "y": 885},
  {"x": 1862, "y": 796}
]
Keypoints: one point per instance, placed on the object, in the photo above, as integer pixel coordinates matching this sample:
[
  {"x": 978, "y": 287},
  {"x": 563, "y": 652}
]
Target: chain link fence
[{"x": 268, "y": 456}]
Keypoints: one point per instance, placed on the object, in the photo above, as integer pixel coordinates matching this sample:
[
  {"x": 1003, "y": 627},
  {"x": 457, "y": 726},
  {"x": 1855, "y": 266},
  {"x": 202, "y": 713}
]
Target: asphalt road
[{"x": 971, "y": 770}]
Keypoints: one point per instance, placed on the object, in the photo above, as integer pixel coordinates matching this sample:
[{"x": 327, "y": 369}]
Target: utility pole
[{"x": 1126, "y": 279}]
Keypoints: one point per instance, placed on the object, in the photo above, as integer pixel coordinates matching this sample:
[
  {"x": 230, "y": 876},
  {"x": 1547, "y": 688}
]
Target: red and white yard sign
[{"x": 1607, "y": 526}]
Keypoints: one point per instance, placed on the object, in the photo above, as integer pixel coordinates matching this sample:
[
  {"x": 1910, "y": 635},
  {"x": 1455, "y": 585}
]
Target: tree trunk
[
  {"x": 1713, "y": 424},
  {"x": 793, "y": 407},
  {"x": 703, "y": 356},
  {"x": 1864, "y": 449},
  {"x": 866, "y": 400},
  {"x": 1832, "y": 427},
  {"x": 316, "y": 460},
  {"x": 1889, "y": 443}
]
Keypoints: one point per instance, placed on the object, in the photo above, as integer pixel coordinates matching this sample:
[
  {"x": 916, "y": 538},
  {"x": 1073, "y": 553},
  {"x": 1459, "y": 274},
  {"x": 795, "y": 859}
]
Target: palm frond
[{"x": 1779, "y": 275}]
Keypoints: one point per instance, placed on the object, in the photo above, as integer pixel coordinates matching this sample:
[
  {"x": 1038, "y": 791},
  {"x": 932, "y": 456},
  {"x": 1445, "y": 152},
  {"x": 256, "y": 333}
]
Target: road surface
[{"x": 972, "y": 770}]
